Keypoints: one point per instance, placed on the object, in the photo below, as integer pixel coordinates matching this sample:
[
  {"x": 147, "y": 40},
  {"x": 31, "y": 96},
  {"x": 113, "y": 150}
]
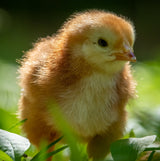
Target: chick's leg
[{"x": 99, "y": 146}]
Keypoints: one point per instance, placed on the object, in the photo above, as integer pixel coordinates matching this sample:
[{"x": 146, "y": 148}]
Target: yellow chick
[{"x": 85, "y": 69}]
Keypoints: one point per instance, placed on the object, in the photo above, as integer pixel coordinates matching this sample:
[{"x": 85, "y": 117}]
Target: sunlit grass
[
  {"x": 148, "y": 89},
  {"x": 9, "y": 91}
]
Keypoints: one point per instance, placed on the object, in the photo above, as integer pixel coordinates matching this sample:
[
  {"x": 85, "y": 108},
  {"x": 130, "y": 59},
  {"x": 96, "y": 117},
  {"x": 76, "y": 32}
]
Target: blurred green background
[{"x": 22, "y": 22}]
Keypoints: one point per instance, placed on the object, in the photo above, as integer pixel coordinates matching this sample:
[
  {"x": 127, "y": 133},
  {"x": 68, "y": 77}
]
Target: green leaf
[
  {"x": 12, "y": 144},
  {"x": 129, "y": 149},
  {"x": 4, "y": 156}
]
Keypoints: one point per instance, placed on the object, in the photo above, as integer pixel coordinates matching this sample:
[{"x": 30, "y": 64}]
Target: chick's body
[{"x": 85, "y": 70}]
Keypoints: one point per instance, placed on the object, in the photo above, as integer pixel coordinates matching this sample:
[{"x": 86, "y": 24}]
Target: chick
[{"x": 85, "y": 69}]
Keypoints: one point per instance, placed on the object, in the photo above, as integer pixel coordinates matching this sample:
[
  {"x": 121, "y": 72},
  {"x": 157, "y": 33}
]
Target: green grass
[
  {"x": 148, "y": 78},
  {"x": 9, "y": 91}
]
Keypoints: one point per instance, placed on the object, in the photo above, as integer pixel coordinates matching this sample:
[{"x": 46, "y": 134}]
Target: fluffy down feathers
[{"x": 85, "y": 69}]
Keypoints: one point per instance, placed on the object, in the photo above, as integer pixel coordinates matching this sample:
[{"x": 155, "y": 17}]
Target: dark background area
[{"x": 22, "y": 22}]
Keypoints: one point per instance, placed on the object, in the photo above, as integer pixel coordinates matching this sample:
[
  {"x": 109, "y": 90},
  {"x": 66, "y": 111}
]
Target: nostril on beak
[{"x": 132, "y": 56}]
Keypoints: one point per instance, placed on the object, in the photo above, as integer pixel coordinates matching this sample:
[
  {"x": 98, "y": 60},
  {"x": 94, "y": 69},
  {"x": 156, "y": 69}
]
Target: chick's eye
[{"x": 102, "y": 43}]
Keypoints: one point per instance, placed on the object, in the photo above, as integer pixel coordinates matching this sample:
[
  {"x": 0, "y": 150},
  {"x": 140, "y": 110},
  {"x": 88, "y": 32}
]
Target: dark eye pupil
[{"x": 102, "y": 42}]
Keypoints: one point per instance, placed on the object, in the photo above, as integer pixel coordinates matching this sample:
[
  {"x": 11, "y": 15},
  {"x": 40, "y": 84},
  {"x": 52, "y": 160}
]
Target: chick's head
[{"x": 104, "y": 39}]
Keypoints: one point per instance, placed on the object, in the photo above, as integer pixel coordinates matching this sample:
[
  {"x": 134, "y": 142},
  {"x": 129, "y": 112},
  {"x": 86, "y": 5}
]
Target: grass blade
[
  {"x": 152, "y": 148},
  {"x": 44, "y": 150},
  {"x": 55, "y": 142},
  {"x": 56, "y": 151},
  {"x": 17, "y": 124},
  {"x": 151, "y": 156}
]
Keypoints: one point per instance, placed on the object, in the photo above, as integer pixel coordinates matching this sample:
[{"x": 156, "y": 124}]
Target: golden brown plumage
[{"x": 85, "y": 69}]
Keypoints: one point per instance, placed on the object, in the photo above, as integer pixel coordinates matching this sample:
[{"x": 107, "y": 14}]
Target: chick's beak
[{"x": 126, "y": 56}]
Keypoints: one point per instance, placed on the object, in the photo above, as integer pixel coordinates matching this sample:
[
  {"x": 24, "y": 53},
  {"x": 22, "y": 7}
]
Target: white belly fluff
[{"x": 89, "y": 109}]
